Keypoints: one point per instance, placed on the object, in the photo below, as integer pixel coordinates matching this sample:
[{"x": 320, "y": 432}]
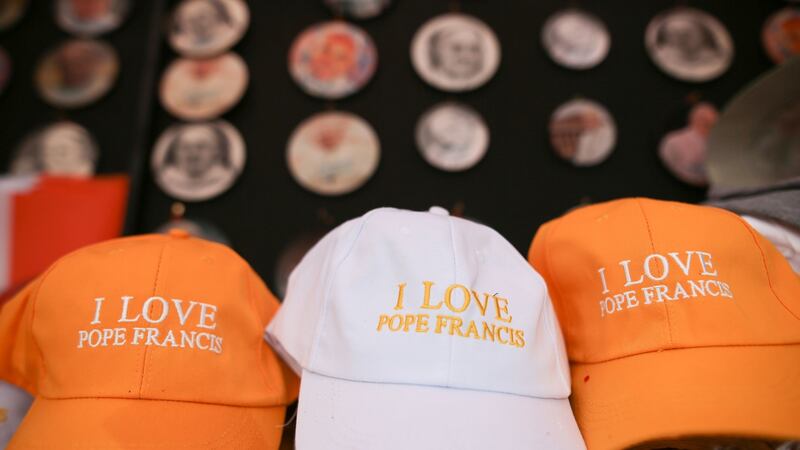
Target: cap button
[
  {"x": 439, "y": 211},
  {"x": 179, "y": 233}
]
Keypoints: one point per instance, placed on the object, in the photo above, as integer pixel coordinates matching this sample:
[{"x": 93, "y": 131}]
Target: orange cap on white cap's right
[{"x": 679, "y": 321}]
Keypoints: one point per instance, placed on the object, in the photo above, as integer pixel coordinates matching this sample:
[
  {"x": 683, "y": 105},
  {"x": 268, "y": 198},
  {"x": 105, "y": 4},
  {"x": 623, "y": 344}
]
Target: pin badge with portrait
[
  {"x": 582, "y": 132},
  {"x": 91, "y": 18},
  {"x": 332, "y": 60},
  {"x": 781, "y": 34},
  {"x": 198, "y": 161},
  {"x": 77, "y": 73},
  {"x": 683, "y": 151},
  {"x": 10, "y": 12},
  {"x": 61, "y": 149},
  {"x": 689, "y": 44},
  {"x": 452, "y": 136},
  {"x": 5, "y": 69},
  {"x": 202, "y": 89},
  {"x": 204, "y": 28},
  {"x": 358, "y": 9},
  {"x": 333, "y": 153},
  {"x": 455, "y": 52},
  {"x": 576, "y": 39}
]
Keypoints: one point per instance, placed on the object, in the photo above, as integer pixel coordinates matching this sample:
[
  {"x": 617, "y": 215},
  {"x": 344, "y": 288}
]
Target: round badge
[
  {"x": 198, "y": 161},
  {"x": 10, "y": 12},
  {"x": 576, "y": 39},
  {"x": 5, "y": 69},
  {"x": 781, "y": 34},
  {"x": 77, "y": 73},
  {"x": 455, "y": 52},
  {"x": 197, "y": 228},
  {"x": 683, "y": 151},
  {"x": 203, "y": 28},
  {"x": 202, "y": 89},
  {"x": 689, "y": 44},
  {"x": 582, "y": 132},
  {"x": 63, "y": 149},
  {"x": 358, "y": 9},
  {"x": 91, "y": 17},
  {"x": 452, "y": 136},
  {"x": 289, "y": 259},
  {"x": 333, "y": 153},
  {"x": 332, "y": 59}
]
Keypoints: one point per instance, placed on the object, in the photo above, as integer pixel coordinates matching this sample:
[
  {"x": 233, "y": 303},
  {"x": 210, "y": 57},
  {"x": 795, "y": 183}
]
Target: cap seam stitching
[
  {"x": 545, "y": 237},
  {"x": 35, "y": 295},
  {"x": 455, "y": 277},
  {"x": 554, "y": 342},
  {"x": 146, "y": 347},
  {"x": 764, "y": 263},
  {"x": 261, "y": 343},
  {"x": 325, "y": 299},
  {"x": 653, "y": 249}
]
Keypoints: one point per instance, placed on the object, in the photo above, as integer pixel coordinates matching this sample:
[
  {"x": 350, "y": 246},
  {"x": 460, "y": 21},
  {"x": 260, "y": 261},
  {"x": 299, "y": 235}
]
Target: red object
[{"x": 59, "y": 215}]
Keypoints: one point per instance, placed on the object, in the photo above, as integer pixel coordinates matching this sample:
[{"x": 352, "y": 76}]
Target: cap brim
[
  {"x": 110, "y": 423},
  {"x": 336, "y": 413},
  {"x": 652, "y": 398}
]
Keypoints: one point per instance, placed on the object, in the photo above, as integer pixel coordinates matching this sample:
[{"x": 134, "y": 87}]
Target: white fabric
[
  {"x": 786, "y": 239},
  {"x": 14, "y": 404},
  {"x": 330, "y": 322},
  {"x": 350, "y": 415}
]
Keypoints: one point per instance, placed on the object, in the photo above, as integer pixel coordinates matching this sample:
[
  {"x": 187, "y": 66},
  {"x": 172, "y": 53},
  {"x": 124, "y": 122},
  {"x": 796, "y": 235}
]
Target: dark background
[{"x": 520, "y": 183}]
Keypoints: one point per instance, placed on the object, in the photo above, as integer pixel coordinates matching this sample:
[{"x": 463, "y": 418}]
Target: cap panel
[
  {"x": 293, "y": 330},
  {"x": 425, "y": 290},
  {"x": 514, "y": 297},
  {"x": 783, "y": 281},
  {"x": 76, "y": 322},
  {"x": 20, "y": 359},
  {"x": 155, "y": 309},
  {"x": 590, "y": 256},
  {"x": 210, "y": 328},
  {"x": 715, "y": 281},
  {"x": 378, "y": 285},
  {"x": 640, "y": 275},
  {"x": 273, "y": 369}
]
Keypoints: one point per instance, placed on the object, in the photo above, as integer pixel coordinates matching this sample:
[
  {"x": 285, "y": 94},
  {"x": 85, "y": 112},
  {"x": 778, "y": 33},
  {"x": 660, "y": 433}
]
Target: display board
[{"x": 520, "y": 182}]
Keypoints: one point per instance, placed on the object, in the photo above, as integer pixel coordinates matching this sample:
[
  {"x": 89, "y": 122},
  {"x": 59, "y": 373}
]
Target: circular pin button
[
  {"x": 439, "y": 211},
  {"x": 179, "y": 233}
]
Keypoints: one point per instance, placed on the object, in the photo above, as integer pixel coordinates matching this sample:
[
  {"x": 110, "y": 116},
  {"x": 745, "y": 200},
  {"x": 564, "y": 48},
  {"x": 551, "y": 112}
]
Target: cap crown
[
  {"x": 150, "y": 317},
  {"x": 420, "y": 298},
  {"x": 640, "y": 275}
]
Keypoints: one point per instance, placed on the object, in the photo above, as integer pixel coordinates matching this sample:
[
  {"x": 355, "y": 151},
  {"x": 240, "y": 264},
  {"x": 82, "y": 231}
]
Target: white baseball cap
[{"x": 419, "y": 330}]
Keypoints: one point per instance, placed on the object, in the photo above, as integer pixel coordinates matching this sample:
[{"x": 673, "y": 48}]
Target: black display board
[{"x": 519, "y": 185}]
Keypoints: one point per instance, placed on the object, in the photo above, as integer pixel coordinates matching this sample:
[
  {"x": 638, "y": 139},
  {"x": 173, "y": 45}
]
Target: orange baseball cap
[
  {"x": 680, "y": 321},
  {"x": 146, "y": 342}
]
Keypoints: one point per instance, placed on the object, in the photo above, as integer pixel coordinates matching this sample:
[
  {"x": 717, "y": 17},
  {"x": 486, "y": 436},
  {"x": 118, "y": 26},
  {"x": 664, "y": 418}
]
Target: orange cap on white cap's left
[{"x": 146, "y": 342}]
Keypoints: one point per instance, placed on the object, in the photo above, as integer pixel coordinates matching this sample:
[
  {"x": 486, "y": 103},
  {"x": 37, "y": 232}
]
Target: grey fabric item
[{"x": 780, "y": 202}]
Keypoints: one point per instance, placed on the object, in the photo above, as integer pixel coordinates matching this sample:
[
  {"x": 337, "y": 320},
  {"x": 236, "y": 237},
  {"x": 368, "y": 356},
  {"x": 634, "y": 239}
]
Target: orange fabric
[
  {"x": 60, "y": 215},
  {"x": 636, "y": 284},
  {"x": 191, "y": 335},
  {"x": 111, "y": 424}
]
